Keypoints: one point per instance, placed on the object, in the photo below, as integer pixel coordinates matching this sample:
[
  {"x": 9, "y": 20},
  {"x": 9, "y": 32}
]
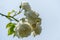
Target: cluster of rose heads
[{"x": 30, "y": 24}]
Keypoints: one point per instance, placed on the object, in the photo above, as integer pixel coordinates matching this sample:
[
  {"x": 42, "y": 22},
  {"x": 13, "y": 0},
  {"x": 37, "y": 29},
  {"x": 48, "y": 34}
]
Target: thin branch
[
  {"x": 9, "y": 16},
  {"x": 18, "y": 13}
]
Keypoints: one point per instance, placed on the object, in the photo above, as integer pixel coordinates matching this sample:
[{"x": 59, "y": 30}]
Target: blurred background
[{"x": 49, "y": 11}]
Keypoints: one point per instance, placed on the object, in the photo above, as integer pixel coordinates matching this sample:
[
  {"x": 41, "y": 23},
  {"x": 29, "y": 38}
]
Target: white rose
[
  {"x": 23, "y": 29},
  {"x": 37, "y": 30},
  {"x": 31, "y": 16},
  {"x": 25, "y": 6}
]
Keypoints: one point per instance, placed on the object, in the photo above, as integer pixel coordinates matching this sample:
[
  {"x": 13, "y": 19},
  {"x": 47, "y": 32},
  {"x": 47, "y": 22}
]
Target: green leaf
[
  {"x": 9, "y": 13},
  {"x": 11, "y": 31},
  {"x": 13, "y": 11},
  {"x": 10, "y": 25}
]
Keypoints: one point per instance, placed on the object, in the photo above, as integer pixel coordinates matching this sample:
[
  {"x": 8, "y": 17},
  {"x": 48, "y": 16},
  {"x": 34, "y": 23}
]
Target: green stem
[{"x": 9, "y": 16}]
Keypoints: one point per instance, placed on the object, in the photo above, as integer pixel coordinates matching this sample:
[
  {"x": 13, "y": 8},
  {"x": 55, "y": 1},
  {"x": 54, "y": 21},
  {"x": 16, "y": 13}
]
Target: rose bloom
[
  {"x": 37, "y": 30},
  {"x": 23, "y": 29},
  {"x": 25, "y": 6}
]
